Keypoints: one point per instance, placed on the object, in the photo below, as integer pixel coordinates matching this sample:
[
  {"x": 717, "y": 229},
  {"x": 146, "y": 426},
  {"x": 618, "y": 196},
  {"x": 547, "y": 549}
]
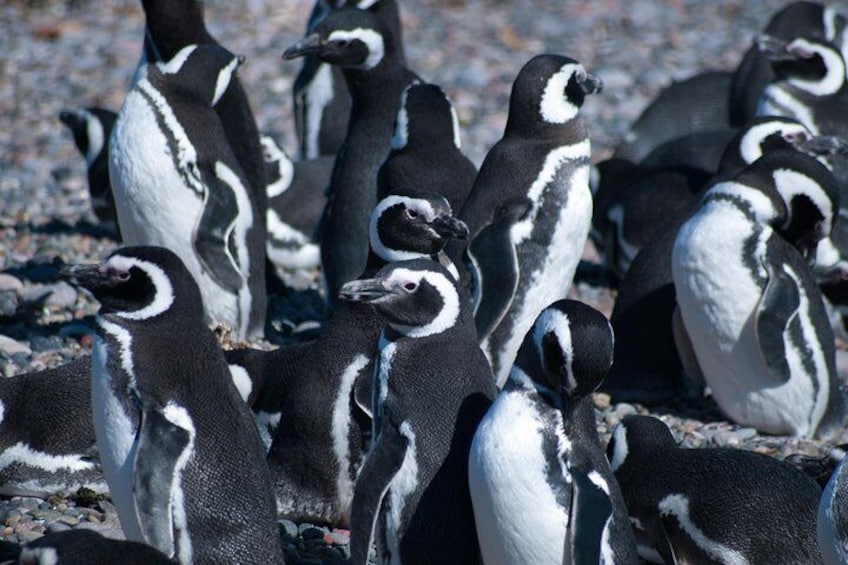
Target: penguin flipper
[
  {"x": 776, "y": 310},
  {"x": 381, "y": 465},
  {"x": 590, "y": 511},
  {"x": 212, "y": 235},
  {"x": 493, "y": 264},
  {"x": 163, "y": 449}
]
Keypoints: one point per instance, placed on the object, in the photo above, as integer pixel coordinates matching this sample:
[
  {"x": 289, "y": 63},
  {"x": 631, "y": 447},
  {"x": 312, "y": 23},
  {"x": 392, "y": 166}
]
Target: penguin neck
[
  {"x": 568, "y": 133},
  {"x": 519, "y": 378},
  {"x": 369, "y": 88},
  {"x": 578, "y": 418}
]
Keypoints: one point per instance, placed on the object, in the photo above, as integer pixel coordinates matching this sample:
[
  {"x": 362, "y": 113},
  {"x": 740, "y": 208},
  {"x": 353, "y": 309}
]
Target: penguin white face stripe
[
  {"x": 223, "y": 81},
  {"x": 751, "y": 145},
  {"x": 677, "y": 505},
  {"x": 791, "y": 183},
  {"x": 401, "y": 136},
  {"x": 178, "y": 416},
  {"x": 554, "y": 321},
  {"x": 422, "y": 207},
  {"x": 176, "y": 63},
  {"x": 94, "y": 132},
  {"x": 163, "y": 297},
  {"x": 834, "y": 77},
  {"x": 23, "y": 454},
  {"x": 341, "y": 428},
  {"x": 447, "y": 316},
  {"x": 620, "y": 451},
  {"x": 555, "y": 107},
  {"x": 242, "y": 381},
  {"x": 372, "y": 39}
]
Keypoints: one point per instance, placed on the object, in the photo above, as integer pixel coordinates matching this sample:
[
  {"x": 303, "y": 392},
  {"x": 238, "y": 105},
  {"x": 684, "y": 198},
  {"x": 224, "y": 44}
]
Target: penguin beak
[
  {"x": 364, "y": 290},
  {"x": 91, "y": 277},
  {"x": 773, "y": 48},
  {"x": 309, "y": 45},
  {"x": 241, "y": 59},
  {"x": 449, "y": 227},
  {"x": 823, "y": 145},
  {"x": 592, "y": 84}
]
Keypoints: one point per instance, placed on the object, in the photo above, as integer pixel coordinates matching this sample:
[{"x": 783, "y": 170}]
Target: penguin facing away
[
  {"x": 766, "y": 349},
  {"x": 176, "y": 441},
  {"x": 536, "y": 463},
  {"x": 364, "y": 48},
  {"x": 432, "y": 385},
  {"x": 832, "y": 519},
  {"x": 177, "y": 184},
  {"x": 712, "y": 505},
  {"x": 530, "y": 208},
  {"x": 91, "y": 128}
]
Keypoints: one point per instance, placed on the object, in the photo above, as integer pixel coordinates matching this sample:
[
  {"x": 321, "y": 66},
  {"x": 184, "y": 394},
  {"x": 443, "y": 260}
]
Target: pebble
[
  {"x": 288, "y": 529},
  {"x": 12, "y": 347},
  {"x": 32, "y": 535}
]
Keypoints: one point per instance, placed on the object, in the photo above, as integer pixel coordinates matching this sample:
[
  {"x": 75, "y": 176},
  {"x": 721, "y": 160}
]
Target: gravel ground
[{"x": 70, "y": 54}]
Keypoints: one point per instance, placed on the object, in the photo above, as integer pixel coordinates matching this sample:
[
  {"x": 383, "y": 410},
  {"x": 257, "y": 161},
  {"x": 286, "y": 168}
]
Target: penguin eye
[
  {"x": 410, "y": 286},
  {"x": 341, "y": 43},
  {"x": 122, "y": 276},
  {"x": 411, "y": 214}
]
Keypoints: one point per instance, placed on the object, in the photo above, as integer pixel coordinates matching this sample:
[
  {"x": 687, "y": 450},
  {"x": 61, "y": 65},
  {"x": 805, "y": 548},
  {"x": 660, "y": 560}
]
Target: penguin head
[
  {"x": 550, "y": 89},
  {"x": 201, "y": 73},
  {"x": 639, "y": 434},
  {"x": 417, "y": 298},
  {"x": 413, "y": 225},
  {"x": 349, "y": 38},
  {"x": 426, "y": 116},
  {"x": 813, "y": 65},
  {"x": 279, "y": 167},
  {"x": 139, "y": 283},
  {"x": 574, "y": 345}
]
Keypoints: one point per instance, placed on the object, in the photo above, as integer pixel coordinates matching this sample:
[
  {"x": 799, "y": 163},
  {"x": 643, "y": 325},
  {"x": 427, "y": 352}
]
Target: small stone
[
  {"x": 57, "y": 527},
  {"x": 624, "y": 409},
  {"x": 32, "y": 535},
  {"x": 62, "y": 295},
  {"x": 107, "y": 507},
  {"x": 288, "y": 529},
  {"x": 28, "y": 502},
  {"x": 337, "y": 537},
  {"x": 602, "y": 400},
  {"x": 10, "y": 283},
  {"x": 73, "y": 512},
  {"x": 312, "y": 533},
  {"x": 12, "y": 519},
  {"x": 69, "y": 520},
  {"x": 12, "y": 347}
]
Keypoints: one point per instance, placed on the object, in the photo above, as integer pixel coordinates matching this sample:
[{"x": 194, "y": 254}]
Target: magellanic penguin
[
  {"x": 530, "y": 209},
  {"x": 315, "y": 398},
  {"x": 178, "y": 184},
  {"x": 87, "y": 546},
  {"x": 321, "y": 99},
  {"x": 541, "y": 486},
  {"x": 712, "y": 505},
  {"x": 832, "y": 520},
  {"x": 176, "y": 441},
  {"x": 748, "y": 302},
  {"x": 171, "y": 26},
  {"x": 91, "y": 128},
  {"x": 432, "y": 385},
  {"x": 47, "y": 441},
  {"x": 365, "y": 49}
]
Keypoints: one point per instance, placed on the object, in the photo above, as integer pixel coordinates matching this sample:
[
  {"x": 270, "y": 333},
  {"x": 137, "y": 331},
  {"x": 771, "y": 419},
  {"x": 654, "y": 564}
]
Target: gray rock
[
  {"x": 10, "y": 283},
  {"x": 288, "y": 529},
  {"x": 28, "y": 536},
  {"x": 12, "y": 347}
]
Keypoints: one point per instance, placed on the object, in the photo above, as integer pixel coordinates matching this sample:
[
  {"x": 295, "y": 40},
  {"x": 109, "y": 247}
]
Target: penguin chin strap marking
[
  {"x": 163, "y": 298},
  {"x": 554, "y": 108},
  {"x": 372, "y": 39},
  {"x": 177, "y": 61}
]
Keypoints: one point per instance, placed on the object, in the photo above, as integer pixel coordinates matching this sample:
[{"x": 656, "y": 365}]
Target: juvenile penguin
[
  {"x": 91, "y": 128},
  {"x": 321, "y": 98},
  {"x": 176, "y": 441},
  {"x": 748, "y": 302},
  {"x": 832, "y": 520},
  {"x": 713, "y": 505},
  {"x": 178, "y": 184},
  {"x": 530, "y": 208},
  {"x": 367, "y": 52},
  {"x": 315, "y": 400},
  {"x": 536, "y": 466},
  {"x": 432, "y": 385}
]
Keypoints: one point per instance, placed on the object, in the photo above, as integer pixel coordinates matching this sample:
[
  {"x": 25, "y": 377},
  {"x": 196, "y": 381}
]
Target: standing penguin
[
  {"x": 91, "y": 128},
  {"x": 718, "y": 505},
  {"x": 176, "y": 441},
  {"x": 178, "y": 184},
  {"x": 748, "y": 302},
  {"x": 530, "y": 209},
  {"x": 536, "y": 467},
  {"x": 832, "y": 521},
  {"x": 315, "y": 400},
  {"x": 367, "y": 52},
  {"x": 321, "y": 99},
  {"x": 432, "y": 385}
]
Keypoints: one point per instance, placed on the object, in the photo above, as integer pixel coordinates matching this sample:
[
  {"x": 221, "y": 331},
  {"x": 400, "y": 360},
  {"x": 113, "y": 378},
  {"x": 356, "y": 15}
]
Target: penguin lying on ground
[
  {"x": 77, "y": 546},
  {"x": 91, "y": 128},
  {"x": 178, "y": 184},
  {"x": 530, "y": 209},
  {"x": 832, "y": 521},
  {"x": 368, "y": 53},
  {"x": 178, "y": 446},
  {"x": 541, "y": 486},
  {"x": 718, "y": 505},
  {"x": 432, "y": 385}
]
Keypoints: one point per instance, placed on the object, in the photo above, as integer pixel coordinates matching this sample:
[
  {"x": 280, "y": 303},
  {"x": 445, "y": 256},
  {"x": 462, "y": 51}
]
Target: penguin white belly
[
  {"x": 718, "y": 299},
  {"x": 116, "y": 434},
  {"x": 550, "y": 280},
  {"x": 140, "y": 158},
  {"x": 518, "y": 517}
]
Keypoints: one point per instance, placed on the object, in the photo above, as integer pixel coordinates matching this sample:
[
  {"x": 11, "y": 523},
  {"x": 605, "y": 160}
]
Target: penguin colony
[{"x": 444, "y": 412}]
